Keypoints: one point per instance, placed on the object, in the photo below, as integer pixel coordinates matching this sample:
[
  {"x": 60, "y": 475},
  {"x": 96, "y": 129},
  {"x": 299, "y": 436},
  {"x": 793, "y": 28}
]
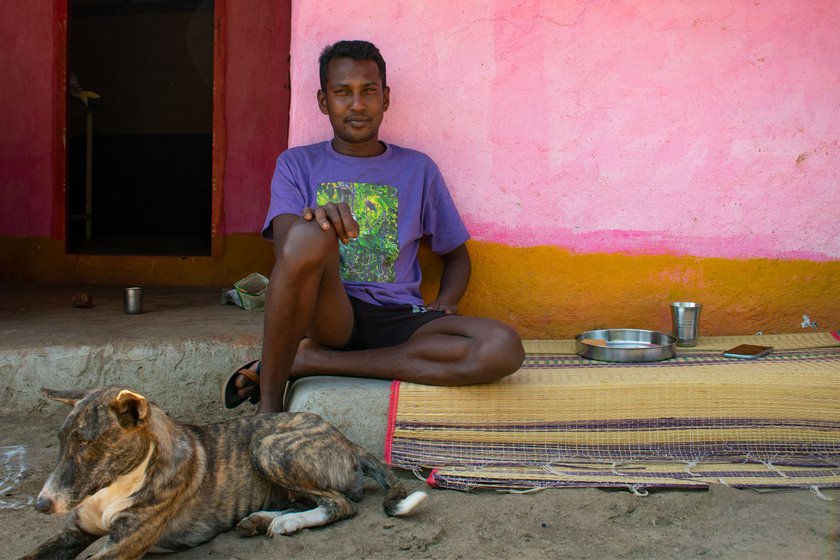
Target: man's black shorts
[{"x": 377, "y": 326}]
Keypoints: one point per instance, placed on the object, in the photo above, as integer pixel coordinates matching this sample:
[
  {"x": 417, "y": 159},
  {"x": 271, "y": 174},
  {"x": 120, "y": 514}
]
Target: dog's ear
[
  {"x": 69, "y": 396},
  {"x": 131, "y": 408}
]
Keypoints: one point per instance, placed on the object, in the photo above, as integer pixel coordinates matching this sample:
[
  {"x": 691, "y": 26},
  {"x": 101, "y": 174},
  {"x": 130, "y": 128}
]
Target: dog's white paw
[
  {"x": 255, "y": 524},
  {"x": 283, "y": 526},
  {"x": 289, "y": 523}
]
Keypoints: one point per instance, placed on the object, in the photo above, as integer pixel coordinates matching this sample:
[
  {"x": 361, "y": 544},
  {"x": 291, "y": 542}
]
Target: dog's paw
[
  {"x": 255, "y": 524},
  {"x": 289, "y": 523},
  {"x": 284, "y": 525}
]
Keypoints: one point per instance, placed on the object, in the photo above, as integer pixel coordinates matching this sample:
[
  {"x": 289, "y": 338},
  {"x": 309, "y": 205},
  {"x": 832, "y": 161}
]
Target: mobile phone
[{"x": 748, "y": 351}]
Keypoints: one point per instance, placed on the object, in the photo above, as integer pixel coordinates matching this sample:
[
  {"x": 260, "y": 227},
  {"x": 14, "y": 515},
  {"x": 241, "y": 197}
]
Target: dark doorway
[{"x": 139, "y": 127}]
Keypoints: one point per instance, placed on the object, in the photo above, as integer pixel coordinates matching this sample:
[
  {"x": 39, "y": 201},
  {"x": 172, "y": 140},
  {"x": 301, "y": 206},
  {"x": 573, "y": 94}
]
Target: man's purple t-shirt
[{"x": 397, "y": 198}]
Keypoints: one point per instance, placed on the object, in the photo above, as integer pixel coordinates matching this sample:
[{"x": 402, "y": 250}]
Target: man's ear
[
  {"x": 322, "y": 102},
  {"x": 131, "y": 408},
  {"x": 386, "y": 98}
]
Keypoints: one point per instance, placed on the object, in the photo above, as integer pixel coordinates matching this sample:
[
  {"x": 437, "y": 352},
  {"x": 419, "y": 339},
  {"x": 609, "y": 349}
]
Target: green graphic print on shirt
[{"x": 370, "y": 257}]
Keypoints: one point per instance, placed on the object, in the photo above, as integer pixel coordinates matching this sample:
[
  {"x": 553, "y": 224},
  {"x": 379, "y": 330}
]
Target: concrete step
[{"x": 177, "y": 353}]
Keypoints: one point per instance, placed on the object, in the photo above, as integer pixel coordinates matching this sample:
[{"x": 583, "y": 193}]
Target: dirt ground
[{"x": 567, "y": 523}]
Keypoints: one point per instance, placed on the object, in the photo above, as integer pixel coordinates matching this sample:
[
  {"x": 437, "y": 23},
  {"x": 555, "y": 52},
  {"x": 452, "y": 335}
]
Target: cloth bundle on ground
[{"x": 690, "y": 421}]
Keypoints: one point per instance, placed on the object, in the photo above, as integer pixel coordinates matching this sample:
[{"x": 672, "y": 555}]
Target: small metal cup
[
  {"x": 685, "y": 316},
  {"x": 133, "y": 300}
]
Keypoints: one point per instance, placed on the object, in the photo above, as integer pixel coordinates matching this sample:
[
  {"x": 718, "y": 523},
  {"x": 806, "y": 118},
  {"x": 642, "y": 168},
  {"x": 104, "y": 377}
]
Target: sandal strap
[{"x": 252, "y": 375}]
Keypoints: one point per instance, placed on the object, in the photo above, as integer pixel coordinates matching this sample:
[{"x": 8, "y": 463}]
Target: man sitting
[{"x": 347, "y": 217}]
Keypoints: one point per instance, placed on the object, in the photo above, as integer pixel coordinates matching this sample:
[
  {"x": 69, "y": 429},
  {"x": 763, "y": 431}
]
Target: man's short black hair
[{"x": 357, "y": 50}]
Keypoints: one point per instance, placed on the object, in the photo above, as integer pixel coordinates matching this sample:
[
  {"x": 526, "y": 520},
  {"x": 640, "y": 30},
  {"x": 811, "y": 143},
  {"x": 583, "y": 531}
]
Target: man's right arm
[
  {"x": 336, "y": 216},
  {"x": 331, "y": 215}
]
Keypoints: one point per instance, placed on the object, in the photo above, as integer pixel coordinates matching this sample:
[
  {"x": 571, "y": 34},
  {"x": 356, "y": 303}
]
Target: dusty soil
[{"x": 588, "y": 523}]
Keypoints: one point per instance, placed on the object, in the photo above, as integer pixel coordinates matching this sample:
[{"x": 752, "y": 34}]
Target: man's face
[{"x": 355, "y": 101}]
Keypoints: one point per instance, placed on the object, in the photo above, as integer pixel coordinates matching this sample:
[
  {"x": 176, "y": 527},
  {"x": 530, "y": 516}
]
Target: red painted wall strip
[
  {"x": 217, "y": 218},
  {"x": 59, "y": 120}
]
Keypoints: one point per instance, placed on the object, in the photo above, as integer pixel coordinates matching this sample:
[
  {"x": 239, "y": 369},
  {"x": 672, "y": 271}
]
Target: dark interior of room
[{"x": 139, "y": 156}]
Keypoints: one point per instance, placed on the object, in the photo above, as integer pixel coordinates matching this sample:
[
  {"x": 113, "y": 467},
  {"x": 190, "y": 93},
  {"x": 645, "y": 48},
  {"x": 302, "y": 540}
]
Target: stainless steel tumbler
[
  {"x": 133, "y": 300},
  {"x": 685, "y": 316}
]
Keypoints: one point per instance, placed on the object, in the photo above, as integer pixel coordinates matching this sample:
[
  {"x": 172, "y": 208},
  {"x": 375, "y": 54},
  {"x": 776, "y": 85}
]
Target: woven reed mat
[{"x": 687, "y": 422}]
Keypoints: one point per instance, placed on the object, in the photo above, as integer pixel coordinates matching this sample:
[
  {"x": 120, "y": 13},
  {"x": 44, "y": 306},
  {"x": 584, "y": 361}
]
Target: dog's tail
[{"x": 397, "y": 502}]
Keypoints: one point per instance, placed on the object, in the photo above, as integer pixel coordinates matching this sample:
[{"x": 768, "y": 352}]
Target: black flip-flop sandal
[{"x": 230, "y": 394}]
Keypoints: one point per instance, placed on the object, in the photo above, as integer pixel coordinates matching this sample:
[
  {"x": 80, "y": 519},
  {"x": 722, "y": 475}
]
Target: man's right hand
[{"x": 335, "y": 216}]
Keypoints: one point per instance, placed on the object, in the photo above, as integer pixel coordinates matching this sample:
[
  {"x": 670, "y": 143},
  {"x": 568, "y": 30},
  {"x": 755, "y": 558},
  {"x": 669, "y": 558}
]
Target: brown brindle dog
[{"x": 128, "y": 471}]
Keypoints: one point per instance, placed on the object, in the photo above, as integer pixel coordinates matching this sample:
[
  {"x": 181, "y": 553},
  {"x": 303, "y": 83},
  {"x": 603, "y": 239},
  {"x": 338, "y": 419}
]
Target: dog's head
[{"x": 104, "y": 437}]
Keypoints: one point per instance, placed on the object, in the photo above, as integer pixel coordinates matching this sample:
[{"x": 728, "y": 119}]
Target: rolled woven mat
[
  {"x": 636, "y": 477},
  {"x": 774, "y": 421}
]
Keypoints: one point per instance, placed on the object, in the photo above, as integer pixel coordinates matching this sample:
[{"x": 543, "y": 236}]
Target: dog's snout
[{"x": 44, "y": 504}]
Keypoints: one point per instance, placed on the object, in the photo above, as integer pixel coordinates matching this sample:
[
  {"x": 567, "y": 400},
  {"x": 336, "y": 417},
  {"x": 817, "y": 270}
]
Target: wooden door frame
[{"x": 59, "y": 214}]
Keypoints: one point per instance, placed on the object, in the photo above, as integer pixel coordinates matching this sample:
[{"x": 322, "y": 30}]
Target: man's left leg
[{"x": 450, "y": 350}]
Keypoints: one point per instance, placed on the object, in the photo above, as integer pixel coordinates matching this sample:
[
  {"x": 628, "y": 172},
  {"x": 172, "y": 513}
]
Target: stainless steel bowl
[{"x": 625, "y": 345}]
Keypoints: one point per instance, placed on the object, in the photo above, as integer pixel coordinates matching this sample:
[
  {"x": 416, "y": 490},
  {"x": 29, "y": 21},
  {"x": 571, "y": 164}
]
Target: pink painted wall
[
  {"x": 694, "y": 128},
  {"x": 26, "y": 118},
  {"x": 701, "y": 128}
]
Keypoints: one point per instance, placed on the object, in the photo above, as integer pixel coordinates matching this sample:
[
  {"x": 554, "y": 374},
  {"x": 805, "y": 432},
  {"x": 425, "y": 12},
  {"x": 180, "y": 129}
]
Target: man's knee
[
  {"x": 502, "y": 351},
  {"x": 307, "y": 245},
  {"x": 494, "y": 352}
]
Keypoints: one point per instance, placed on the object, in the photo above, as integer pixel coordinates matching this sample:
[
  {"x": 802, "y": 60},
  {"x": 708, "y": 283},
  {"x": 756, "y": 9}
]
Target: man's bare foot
[{"x": 303, "y": 365}]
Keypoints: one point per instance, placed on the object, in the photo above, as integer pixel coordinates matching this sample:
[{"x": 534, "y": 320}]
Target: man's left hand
[{"x": 449, "y": 309}]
